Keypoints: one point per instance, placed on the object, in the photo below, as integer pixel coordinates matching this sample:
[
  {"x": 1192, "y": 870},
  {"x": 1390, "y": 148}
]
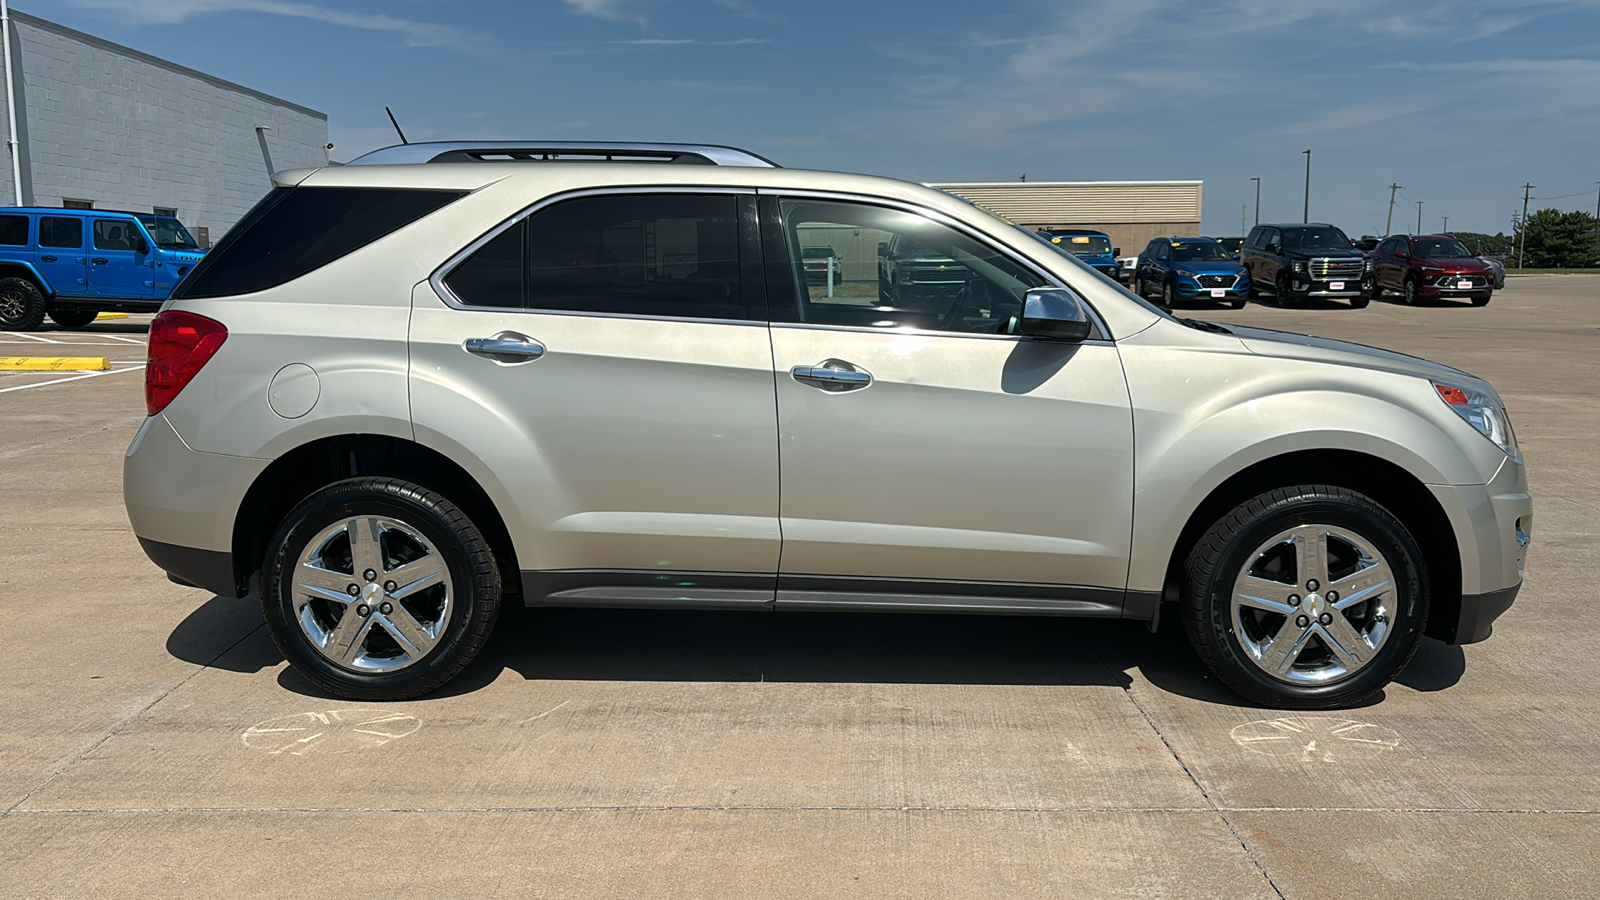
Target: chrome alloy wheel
[
  {"x": 13, "y": 306},
  {"x": 372, "y": 594},
  {"x": 1314, "y": 604}
]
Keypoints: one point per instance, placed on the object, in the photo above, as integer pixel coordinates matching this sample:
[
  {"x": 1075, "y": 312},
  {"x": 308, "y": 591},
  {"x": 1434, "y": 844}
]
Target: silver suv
[{"x": 402, "y": 392}]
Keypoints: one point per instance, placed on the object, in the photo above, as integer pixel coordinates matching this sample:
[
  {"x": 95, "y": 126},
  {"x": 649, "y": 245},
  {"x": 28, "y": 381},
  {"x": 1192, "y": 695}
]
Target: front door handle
[
  {"x": 99, "y": 260},
  {"x": 47, "y": 259},
  {"x": 506, "y": 348},
  {"x": 832, "y": 375}
]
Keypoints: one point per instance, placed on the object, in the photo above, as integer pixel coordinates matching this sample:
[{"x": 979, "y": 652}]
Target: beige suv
[{"x": 402, "y": 392}]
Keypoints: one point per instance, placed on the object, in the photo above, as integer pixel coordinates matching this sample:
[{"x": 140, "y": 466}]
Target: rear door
[
  {"x": 931, "y": 454},
  {"x": 120, "y": 265},
  {"x": 61, "y": 257},
  {"x": 605, "y": 359}
]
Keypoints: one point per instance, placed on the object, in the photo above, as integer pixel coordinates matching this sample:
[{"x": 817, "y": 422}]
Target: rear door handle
[
  {"x": 47, "y": 259},
  {"x": 506, "y": 348},
  {"x": 832, "y": 375}
]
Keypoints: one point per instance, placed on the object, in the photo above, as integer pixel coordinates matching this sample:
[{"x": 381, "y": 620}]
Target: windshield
[
  {"x": 1326, "y": 238},
  {"x": 1198, "y": 252},
  {"x": 1096, "y": 244},
  {"x": 1231, "y": 245},
  {"x": 1445, "y": 249},
  {"x": 169, "y": 233}
]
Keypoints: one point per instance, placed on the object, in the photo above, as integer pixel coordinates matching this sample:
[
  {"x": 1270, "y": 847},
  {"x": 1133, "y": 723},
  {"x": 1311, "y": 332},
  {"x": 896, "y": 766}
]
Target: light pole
[
  {"x": 1307, "y": 216},
  {"x": 1446, "y": 224},
  {"x": 1419, "y": 217},
  {"x": 1258, "y": 201}
]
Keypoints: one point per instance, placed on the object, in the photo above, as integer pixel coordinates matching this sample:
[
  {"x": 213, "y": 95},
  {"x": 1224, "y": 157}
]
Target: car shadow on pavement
[{"x": 891, "y": 648}]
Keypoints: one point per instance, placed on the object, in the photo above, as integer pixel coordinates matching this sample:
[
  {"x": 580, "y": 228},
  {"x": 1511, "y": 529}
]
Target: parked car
[
  {"x": 1190, "y": 268},
  {"x": 1231, "y": 244},
  {"x": 1432, "y": 266},
  {"x": 1093, "y": 247},
  {"x": 819, "y": 261},
  {"x": 1496, "y": 268},
  {"x": 1365, "y": 245},
  {"x": 1303, "y": 261},
  {"x": 912, "y": 274},
  {"x": 73, "y": 264},
  {"x": 397, "y": 396},
  {"x": 1125, "y": 268}
]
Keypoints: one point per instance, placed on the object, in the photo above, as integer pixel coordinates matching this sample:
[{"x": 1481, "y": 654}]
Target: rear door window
[
  {"x": 13, "y": 231},
  {"x": 64, "y": 232},
  {"x": 293, "y": 231}
]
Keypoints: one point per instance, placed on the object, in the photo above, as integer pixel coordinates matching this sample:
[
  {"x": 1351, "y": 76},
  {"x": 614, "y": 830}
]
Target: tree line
[{"x": 1554, "y": 240}]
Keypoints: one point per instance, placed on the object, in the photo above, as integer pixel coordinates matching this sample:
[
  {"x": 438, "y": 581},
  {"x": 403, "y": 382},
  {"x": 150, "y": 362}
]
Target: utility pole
[
  {"x": 1597, "y": 213},
  {"x": 1307, "y": 216},
  {"x": 1258, "y": 201},
  {"x": 1522, "y": 243},
  {"x": 1242, "y": 208},
  {"x": 1419, "y": 217},
  {"x": 1390, "y": 224},
  {"x": 1446, "y": 224}
]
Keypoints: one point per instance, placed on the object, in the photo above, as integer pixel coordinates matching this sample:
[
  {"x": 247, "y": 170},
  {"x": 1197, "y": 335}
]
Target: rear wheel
[
  {"x": 378, "y": 589},
  {"x": 1307, "y": 597},
  {"x": 21, "y": 305},
  {"x": 68, "y": 317}
]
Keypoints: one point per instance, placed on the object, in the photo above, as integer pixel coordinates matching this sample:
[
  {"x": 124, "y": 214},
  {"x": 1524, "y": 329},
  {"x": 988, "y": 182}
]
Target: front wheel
[
  {"x": 1280, "y": 291},
  {"x": 1410, "y": 294},
  {"x": 1359, "y": 302},
  {"x": 378, "y": 589},
  {"x": 1306, "y": 597},
  {"x": 1168, "y": 296},
  {"x": 68, "y": 317},
  {"x": 1481, "y": 299}
]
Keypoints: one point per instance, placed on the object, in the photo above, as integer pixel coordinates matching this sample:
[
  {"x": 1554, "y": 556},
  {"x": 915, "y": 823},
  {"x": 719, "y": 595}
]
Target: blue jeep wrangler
[
  {"x": 73, "y": 264},
  {"x": 1093, "y": 247}
]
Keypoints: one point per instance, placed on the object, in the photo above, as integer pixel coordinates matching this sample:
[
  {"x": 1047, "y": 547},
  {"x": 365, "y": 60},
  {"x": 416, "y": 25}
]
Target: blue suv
[
  {"x": 73, "y": 264},
  {"x": 1093, "y": 247},
  {"x": 1190, "y": 268}
]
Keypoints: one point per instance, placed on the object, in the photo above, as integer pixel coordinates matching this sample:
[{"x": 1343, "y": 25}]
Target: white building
[{"x": 104, "y": 126}]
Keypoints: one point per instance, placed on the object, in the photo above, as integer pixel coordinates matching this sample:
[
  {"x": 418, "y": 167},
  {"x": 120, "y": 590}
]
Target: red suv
[{"x": 1425, "y": 266}]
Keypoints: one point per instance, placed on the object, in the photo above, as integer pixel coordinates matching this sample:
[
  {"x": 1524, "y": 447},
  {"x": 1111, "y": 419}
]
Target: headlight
[
  {"x": 1369, "y": 264},
  {"x": 1299, "y": 265},
  {"x": 1481, "y": 412}
]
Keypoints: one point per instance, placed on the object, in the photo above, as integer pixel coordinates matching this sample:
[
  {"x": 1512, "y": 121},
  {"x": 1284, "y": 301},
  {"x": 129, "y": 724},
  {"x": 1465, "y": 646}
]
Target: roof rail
[{"x": 561, "y": 151}]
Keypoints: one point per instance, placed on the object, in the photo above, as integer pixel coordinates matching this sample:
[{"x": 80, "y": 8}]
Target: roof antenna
[{"x": 396, "y": 126}]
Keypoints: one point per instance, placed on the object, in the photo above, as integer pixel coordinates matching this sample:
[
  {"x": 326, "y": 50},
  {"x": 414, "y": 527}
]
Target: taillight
[{"x": 180, "y": 344}]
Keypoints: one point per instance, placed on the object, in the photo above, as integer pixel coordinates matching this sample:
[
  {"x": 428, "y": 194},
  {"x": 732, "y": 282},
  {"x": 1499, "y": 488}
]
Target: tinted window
[
  {"x": 293, "y": 231},
  {"x": 56, "y": 231},
  {"x": 111, "y": 234},
  {"x": 950, "y": 283},
  {"x": 637, "y": 254},
  {"x": 1316, "y": 238},
  {"x": 492, "y": 276},
  {"x": 13, "y": 230}
]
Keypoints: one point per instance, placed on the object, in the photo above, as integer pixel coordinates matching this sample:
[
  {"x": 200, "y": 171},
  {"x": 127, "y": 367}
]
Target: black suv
[{"x": 1304, "y": 261}]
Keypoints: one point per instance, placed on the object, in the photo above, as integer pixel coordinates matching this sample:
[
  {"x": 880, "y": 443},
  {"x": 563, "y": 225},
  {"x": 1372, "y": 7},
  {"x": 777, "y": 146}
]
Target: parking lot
[{"x": 153, "y": 741}]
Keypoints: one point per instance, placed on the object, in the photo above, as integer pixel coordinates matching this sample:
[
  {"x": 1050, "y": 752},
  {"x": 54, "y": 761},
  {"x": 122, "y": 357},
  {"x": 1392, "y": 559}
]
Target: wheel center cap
[
  {"x": 371, "y": 593},
  {"x": 1314, "y": 605}
]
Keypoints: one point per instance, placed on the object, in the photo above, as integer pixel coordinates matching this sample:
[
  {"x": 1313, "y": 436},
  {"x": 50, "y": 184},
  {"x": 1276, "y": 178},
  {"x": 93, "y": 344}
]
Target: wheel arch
[
  {"x": 1387, "y": 483},
  {"x": 17, "y": 269},
  {"x": 296, "y": 474}
]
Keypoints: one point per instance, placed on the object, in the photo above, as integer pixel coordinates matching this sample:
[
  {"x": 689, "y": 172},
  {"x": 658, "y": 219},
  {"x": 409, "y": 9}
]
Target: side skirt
[{"x": 622, "y": 588}]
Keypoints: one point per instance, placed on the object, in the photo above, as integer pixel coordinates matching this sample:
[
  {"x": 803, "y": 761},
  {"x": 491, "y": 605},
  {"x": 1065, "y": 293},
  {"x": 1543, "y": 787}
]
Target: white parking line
[
  {"x": 39, "y": 384},
  {"x": 32, "y": 337},
  {"x": 115, "y": 338},
  {"x": 75, "y": 343}
]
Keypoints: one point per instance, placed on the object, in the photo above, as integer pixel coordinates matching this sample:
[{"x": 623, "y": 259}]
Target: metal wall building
[
  {"x": 1131, "y": 212},
  {"x": 104, "y": 124}
]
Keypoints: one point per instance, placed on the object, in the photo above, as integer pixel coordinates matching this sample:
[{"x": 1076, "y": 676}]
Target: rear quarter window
[
  {"x": 293, "y": 231},
  {"x": 13, "y": 231}
]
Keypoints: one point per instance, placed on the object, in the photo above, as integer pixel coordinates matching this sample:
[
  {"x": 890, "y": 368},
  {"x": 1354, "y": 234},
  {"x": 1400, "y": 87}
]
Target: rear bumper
[{"x": 208, "y": 569}]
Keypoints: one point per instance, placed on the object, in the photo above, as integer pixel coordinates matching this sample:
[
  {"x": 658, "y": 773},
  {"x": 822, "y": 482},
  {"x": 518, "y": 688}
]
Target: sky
[{"x": 1461, "y": 102}]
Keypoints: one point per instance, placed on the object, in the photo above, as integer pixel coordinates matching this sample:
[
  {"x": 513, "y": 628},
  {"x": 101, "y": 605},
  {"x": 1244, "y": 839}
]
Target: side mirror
[
  {"x": 1116, "y": 251},
  {"x": 1053, "y": 314},
  {"x": 883, "y": 248},
  {"x": 140, "y": 245},
  {"x": 1476, "y": 253},
  {"x": 1273, "y": 248}
]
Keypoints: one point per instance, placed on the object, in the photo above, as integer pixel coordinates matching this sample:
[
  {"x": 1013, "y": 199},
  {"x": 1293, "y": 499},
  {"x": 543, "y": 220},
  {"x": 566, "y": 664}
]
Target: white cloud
[
  {"x": 674, "y": 42},
  {"x": 414, "y": 33},
  {"x": 610, "y": 10}
]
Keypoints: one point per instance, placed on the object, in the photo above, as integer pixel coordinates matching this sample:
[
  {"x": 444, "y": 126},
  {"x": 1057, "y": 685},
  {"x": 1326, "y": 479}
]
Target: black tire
[
  {"x": 1250, "y": 291},
  {"x": 1137, "y": 286},
  {"x": 1280, "y": 291},
  {"x": 1409, "y": 292},
  {"x": 1482, "y": 299},
  {"x": 70, "y": 317},
  {"x": 1169, "y": 297},
  {"x": 468, "y": 560},
  {"x": 1238, "y": 303},
  {"x": 1222, "y": 553},
  {"x": 1360, "y": 302},
  {"x": 21, "y": 305}
]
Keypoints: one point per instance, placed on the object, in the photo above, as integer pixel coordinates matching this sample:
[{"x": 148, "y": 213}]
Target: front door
[
  {"x": 61, "y": 257},
  {"x": 929, "y": 454},
  {"x": 120, "y": 265},
  {"x": 601, "y": 361}
]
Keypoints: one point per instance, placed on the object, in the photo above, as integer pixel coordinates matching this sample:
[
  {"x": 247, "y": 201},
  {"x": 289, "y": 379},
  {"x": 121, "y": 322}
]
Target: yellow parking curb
[
  {"x": 55, "y": 364},
  {"x": 110, "y": 315}
]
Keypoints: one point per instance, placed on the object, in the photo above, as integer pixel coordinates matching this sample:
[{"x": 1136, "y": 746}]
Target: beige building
[{"x": 1131, "y": 212}]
